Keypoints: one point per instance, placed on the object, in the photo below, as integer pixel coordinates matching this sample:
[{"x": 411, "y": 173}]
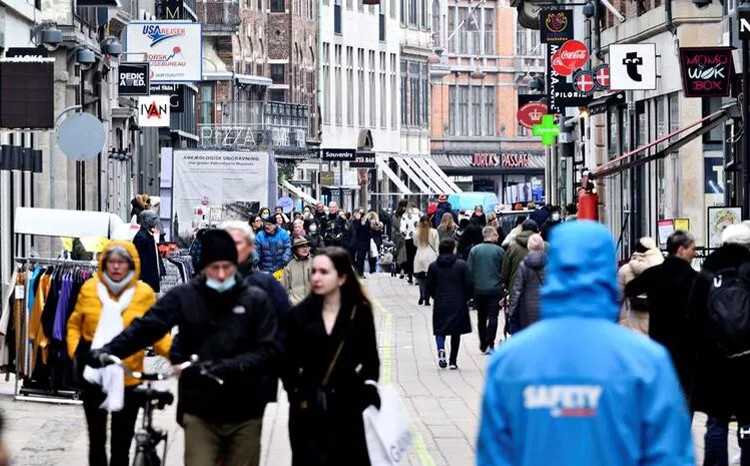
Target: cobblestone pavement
[{"x": 444, "y": 405}]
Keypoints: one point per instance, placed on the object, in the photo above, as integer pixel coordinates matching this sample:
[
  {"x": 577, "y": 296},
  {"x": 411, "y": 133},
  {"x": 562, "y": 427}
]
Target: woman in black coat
[
  {"x": 376, "y": 233},
  {"x": 449, "y": 284},
  {"x": 361, "y": 235},
  {"x": 327, "y": 393}
]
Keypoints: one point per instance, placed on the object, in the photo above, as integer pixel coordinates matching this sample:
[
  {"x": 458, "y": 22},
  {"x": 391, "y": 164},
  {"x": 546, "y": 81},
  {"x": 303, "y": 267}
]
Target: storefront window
[{"x": 613, "y": 148}]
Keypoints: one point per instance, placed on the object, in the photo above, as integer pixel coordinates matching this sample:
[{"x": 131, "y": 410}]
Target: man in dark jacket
[
  {"x": 541, "y": 214},
  {"x": 554, "y": 219},
  {"x": 152, "y": 267},
  {"x": 470, "y": 237},
  {"x": 516, "y": 252},
  {"x": 274, "y": 246},
  {"x": 360, "y": 240},
  {"x": 443, "y": 207},
  {"x": 485, "y": 262},
  {"x": 229, "y": 325},
  {"x": 668, "y": 288},
  {"x": 720, "y": 387},
  {"x": 335, "y": 228}
]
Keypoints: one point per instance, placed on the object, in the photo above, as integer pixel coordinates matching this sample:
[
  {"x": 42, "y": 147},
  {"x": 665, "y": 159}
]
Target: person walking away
[
  {"x": 409, "y": 222},
  {"x": 449, "y": 284},
  {"x": 471, "y": 236},
  {"x": 152, "y": 267},
  {"x": 479, "y": 215},
  {"x": 228, "y": 324},
  {"x": 524, "y": 296},
  {"x": 447, "y": 227},
  {"x": 139, "y": 203},
  {"x": 108, "y": 302},
  {"x": 513, "y": 232},
  {"x": 540, "y": 215},
  {"x": 297, "y": 272},
  {"x": 329, "y": 387},
  {"x": 427, "y": 242},
  {"x": 274, "y": 246},
  {"x": 554, "y": 219},
  {"x": 516, "y": 252},
  {"x": 399, "y": 243},
  {"x": 494, "y": 221},
  {"x": 361, "y": 234},
  {"x": 668, "y": 288},
  {"x": 485, "y": 263},
  {"x": 376, "y": 241},
  {"x": 722, "y": 372},
  {"x": 444, "y": 207},
  {"x": 634, "y": 314},
  {"x": 576, "y": 375}
]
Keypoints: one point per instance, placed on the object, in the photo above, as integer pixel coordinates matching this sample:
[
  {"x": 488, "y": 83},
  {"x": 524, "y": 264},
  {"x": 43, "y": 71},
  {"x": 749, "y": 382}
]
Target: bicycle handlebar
[{"x": 107, "y": 359}]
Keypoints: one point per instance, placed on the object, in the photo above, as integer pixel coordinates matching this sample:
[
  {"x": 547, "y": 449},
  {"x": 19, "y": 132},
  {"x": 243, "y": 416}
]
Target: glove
[
  {"x": 371, "y": 396},
  {"x": 97, "y": 359}
]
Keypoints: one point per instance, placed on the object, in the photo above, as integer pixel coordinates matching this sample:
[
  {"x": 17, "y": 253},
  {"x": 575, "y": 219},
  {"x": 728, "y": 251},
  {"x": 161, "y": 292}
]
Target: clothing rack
[{"x": 58, "y": 396}]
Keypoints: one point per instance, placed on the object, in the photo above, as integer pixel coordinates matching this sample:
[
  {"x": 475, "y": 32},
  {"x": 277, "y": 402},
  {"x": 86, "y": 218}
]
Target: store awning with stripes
[
  {"x": 426, "y": 175},
  {"x": 297, "y": 192}
]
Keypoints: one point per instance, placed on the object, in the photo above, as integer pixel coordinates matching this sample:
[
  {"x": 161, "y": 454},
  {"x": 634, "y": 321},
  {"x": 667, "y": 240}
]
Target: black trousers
[
  {"x": 411, "y": 252},
  {"x": 359, "y": 261},
  {"x": 123, "y": 427},
  {"x": 488, "y": 308},
  {"x": 422, "y": 282}
]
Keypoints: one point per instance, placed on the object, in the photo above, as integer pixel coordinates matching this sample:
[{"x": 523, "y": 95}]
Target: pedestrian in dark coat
[
  {"x": 449, "y": 284},
  {"x": 361, "y": 235},
  {"x": 720, "y": 387},
  {"x": 443, "y": 207},
  {"x": 152, "y": 267},
  {"x": 331, "y": 331},
  {"x": 524, "y": 297},
  {"x": 471, "y": 236},
  {"x": 376, "y": 233},
  {"x": 479, "y": 215},
  {"x": 399, "y": 243},
  {"x": 668, "y": 288}
]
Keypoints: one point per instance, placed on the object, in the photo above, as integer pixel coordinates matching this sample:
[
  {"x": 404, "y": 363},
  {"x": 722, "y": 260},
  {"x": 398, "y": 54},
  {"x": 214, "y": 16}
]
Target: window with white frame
[
  {"x": 489, "y": 31},
  {"x": 326, "y": 103},
  {"x": 528, "y": 42},
  {"x": 373, "y": 105},
  {"x": 337, "y": 94},
  {"x": 489, "y": 111},
  {"x": 394, "y": 93},
  {"x": 350, "y": 86},
  {"x": 425, "y": 76},
  {"x": 412, "y": 12},
  {"x": 361, "y": 87},
  {"x": 383, "y": 92},
  {"x": 471, "y": 110}
]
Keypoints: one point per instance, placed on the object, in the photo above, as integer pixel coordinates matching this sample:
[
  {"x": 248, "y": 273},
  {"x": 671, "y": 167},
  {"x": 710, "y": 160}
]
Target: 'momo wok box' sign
[{"x": 173, "y": 49}]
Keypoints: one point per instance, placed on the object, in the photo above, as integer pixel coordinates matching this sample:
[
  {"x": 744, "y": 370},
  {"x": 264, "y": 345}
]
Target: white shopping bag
[
  {"x": 373, "y": 249},
  {"x": 387, "y": 431}
]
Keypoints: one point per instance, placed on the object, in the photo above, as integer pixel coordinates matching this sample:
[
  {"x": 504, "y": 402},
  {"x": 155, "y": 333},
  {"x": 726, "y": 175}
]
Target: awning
[
  {"x": 426, "y": 175},
  {"x": 445, "y": 177},
  {"x": 437, "y": 178},
  {"x": 426, "y": 188},
  {"x": 621, "y": 163},
  {"x": 297, "y": 192},
  {"x": 392, "y": 176}
]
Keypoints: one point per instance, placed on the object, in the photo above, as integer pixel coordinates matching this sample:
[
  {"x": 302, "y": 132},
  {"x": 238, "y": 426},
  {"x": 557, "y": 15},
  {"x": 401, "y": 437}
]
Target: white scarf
[{"x": 112, "y": 377}]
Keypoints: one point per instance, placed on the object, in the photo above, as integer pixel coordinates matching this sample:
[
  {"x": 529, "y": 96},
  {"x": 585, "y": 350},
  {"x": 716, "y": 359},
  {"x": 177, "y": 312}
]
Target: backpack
[{"x": 729, "y": 311}]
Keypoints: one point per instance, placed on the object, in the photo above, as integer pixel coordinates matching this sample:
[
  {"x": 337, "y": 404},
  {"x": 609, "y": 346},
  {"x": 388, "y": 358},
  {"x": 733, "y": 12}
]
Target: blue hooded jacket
[
  {"x": 274, "y": 251},
  {"x": 576, "y": 388}
]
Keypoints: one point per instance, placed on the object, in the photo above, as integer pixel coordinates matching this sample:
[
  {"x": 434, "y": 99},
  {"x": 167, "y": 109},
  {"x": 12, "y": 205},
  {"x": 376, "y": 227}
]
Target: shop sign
[
  {"x": 562, "y": 94},
  {"x": 363, "y": 160},
  {"x": 490, "y": 159},
  {"x": 176, "y": 93},
  {"x": 133, "y": 79},
  {"x": 531, "y": 114},
  {"x": 547, "y": 130},
  {"x": 174, "y": 49},
  {"x": 27, "y": 92},
  {"x": 153, "y": 111},
  {"x": 744, "y": 23},
  {"x": 172, "y": 9},
  {"x": 571, "y": 56},
  {"x": 633, "y": 66},
  {"x": 338, "y": 155},
  {"x": 556, "y": 26},
  {"x": 706, "y": 71},
  {"x": 251, "y": 137},
  {"x": 592, "y": 81}
]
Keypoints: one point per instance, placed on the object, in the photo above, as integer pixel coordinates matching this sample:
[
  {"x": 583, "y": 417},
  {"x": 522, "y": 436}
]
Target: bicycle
[{"x": 148, "y": 437}]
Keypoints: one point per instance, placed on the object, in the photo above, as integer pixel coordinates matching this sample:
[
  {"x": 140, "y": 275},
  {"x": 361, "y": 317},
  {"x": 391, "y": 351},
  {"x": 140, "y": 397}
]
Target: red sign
[
  {"x": 572, "y": 55},
  {"x": 489, "y": 159},
  {"x": 584, "y": 82},
  {"x": 602, "y": 75},
  {"x": 531, "y": 114},
  {"x": 557, "y": 64}
]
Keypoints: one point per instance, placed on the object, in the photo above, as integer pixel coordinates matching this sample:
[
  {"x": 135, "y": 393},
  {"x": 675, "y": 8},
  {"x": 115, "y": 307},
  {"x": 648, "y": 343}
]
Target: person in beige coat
[
  {"x": 296, "y": 279},
  {"x": 634, "y": 312},
  {"x": 426, "y": 239}
]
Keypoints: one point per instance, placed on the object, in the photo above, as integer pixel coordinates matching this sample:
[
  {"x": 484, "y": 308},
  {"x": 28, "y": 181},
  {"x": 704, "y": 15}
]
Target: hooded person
[
  {"x": 274, "y": 246},
  {"x": 524, "y": 296},
  {"x": 139, "y": 203},
  {"x": 231, "y": 326},
  {"x": 634, "y": 314},
  {"x": 107, "y": 303},
  {"x": 576, "y": 388},
  {"x": 516, "y": 252},
  {"x": 443, "y": 207},
  {"x": 152, "y": 267},
  {"x": 296, "y": 279}
]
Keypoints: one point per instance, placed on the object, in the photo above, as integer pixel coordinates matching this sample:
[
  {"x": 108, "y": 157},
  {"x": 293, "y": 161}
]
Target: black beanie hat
[{"x": 217, "y": 245}]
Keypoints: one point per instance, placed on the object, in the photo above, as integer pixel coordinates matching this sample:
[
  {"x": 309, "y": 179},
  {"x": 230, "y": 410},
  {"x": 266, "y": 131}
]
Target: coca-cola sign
[
  {"x": 572, "y": 55},
  {"x": 706, "y": 71},
  {"x": 531, "y": 114}
]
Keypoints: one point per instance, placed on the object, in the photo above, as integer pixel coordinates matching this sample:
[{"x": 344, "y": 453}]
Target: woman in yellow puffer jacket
[{"x": 107, "y": 303}]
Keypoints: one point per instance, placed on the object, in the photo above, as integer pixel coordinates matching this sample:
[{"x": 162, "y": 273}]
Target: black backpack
[{"x": 729, "y": 311}]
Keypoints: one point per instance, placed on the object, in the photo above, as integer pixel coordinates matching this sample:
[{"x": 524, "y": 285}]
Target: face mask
[
  {"x": 555, "y": 217},
  {"x": 117, "y": 287},
  {"x": 313, "y": 228},
  {"x": 221, "y": 287}
]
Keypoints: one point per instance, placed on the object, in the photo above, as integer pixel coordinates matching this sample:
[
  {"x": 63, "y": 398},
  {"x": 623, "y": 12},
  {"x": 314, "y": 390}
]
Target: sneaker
[
  {"x": 441, "y": 359},
  {"x": 490, "y": 350},
  {"x": 427, "y": 302},
  {"x": 453, "y": 367},
  {"x": 420, "y": 302},
  {"x": 483, "y": 348}
]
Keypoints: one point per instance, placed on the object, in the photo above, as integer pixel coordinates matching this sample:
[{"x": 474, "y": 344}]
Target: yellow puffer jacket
[{"x": 85, "y": 317}]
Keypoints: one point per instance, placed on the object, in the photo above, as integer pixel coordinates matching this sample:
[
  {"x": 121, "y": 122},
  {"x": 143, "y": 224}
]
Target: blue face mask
[{"x": 221, "y": 287}]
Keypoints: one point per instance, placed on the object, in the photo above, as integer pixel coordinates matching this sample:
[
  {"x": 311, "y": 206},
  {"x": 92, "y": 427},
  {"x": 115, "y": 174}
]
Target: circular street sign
[
  {"x": 559, "y": 66},
  {"x": 286, "y": 203},
  {"x": 531, "y": 114},
  {"x": 584, "y": 81},
  {"x": 573, "y": 54},
  {"x": 81, "y": 136},
  {"x": 601, "y": 74}
]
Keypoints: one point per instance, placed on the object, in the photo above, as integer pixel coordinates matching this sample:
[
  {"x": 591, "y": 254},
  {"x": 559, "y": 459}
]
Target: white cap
[{"x": 736, "y": 234}]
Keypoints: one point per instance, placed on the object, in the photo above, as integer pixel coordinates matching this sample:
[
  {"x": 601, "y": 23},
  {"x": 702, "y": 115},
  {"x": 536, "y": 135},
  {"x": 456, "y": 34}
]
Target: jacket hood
[
  {"x": 446, "y": 260},
  {"x": 130, "y": 248},
  {"x": 522, "y": 238},
  {"x": 536, "y": 260},
  {"x": 640, "y": 261},
  {"x": 581, "y": 273}
]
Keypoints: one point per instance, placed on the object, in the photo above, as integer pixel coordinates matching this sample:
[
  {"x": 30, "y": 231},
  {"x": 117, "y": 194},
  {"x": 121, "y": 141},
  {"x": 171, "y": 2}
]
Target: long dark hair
[
  {"x": 402, "y": 204},
  {"x": 351, "y": 291}
]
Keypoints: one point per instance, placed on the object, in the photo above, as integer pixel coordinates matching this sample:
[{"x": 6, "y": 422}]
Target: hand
[
  {"x": 371, "y": 396},
  {"x": 176, "y": 371},
  {"x": 97, "y": 358}
]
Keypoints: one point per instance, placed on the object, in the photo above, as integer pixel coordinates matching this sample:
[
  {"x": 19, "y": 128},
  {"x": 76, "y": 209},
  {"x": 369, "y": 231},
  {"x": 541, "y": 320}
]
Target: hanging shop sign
[
  {"x": 571, "y": 56},
  {"x": 340, "y": 155},
  {"x": 602, "y": 76},
  {"x": 27, "y": 92},
  {"x": 744, "y": 23},
  {"x": 153, "y": 111},
  {"x": 173, "y": 49},
  {"x": 562, "y": 93},
  {"x": 176, "y": 93},
  {"x": 133, "y": 79},
  {"x": 37, "y": 52},
  {"x": 547, "y": 130},
  {"x": 556, "y": 26},
  {"x": 531, "y": 114},
  {"x": 172, "y": 9},
  {"x": 590, "y": 81},
  {"x": 363, "y": 160},
  {"x": 706, "y": 71},
  {"x": 633, "y": 67}
]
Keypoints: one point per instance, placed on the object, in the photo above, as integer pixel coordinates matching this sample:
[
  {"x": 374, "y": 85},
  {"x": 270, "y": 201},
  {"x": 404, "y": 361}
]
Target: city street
[{"x": 444, "y": 405}]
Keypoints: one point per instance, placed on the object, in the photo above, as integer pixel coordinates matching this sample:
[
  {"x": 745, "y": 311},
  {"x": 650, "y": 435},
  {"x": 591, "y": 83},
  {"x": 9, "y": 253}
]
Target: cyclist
[
  {"x": 225, "y": 320},
  {"x": 108, "y": 302}
]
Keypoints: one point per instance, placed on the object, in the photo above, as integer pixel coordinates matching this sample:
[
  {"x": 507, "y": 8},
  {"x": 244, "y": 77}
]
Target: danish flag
[
  {"x": 585, "y": 83},
  {"x": 602, "y": 76}
]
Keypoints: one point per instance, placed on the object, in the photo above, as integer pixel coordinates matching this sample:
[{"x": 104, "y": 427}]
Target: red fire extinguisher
[{"x": 588, "y": 206}]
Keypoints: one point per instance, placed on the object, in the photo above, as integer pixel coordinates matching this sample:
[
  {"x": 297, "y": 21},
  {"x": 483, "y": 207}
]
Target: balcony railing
[
  {"x": 251, "y": 125},
  {"x": 218, "y": 16}
]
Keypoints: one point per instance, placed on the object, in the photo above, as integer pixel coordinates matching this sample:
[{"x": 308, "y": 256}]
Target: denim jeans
[
  {"x": 715, "y": 440},
  {"x": 455, "y": 343}
]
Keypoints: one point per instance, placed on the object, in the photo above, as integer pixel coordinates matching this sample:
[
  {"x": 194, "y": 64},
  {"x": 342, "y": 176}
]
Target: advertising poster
[
  {"x": 706, "y": 71},
  {"x": 209, "y": 182},
  {"x": 665, "y": 228},
  {"x": 718, "y": 219},
  {"x": 173, "y": 49}
]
